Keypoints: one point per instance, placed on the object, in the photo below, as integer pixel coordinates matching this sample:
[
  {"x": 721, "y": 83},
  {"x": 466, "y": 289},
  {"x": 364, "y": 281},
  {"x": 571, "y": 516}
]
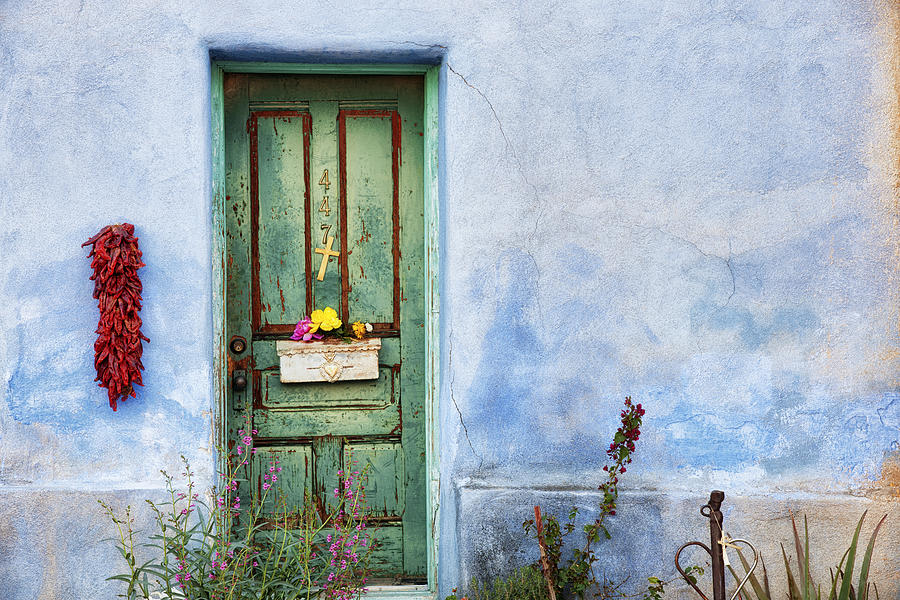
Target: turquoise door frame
[{"x": 432, "y": 305}]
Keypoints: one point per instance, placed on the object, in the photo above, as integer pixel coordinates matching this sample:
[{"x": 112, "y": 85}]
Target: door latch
[{"x": 238, "y": 389}]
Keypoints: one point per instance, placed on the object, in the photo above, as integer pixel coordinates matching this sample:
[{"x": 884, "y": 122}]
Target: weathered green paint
[
  {"x": 432, "y": 320},
  {"x": 325, "y": 69},
  {"x": 276, "y": 126},
  {"x": 217, "y": 164},
  {"x": 282, "y": 188},
  {"x": 369, "y": 167},
  {"x": 432, "y": 260}
]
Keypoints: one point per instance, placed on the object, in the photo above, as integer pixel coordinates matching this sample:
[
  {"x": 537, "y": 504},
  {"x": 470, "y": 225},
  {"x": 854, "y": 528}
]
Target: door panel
[
  {"x": 279, "y": 151},
  {"x": 362, "y": 395},
  {"x": 309, "y": 158},
  {"x": 369, "y": 150},
  {"x": 386, "y": 492},
  {"x": 296, "y": 469}
]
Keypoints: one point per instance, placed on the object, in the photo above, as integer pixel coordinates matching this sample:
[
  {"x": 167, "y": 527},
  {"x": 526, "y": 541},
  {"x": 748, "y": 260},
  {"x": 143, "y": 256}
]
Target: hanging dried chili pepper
[{"x": 117, "y": 287}]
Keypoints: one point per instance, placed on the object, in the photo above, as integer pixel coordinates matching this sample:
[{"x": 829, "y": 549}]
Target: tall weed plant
[
  {"x": 246, "y": 543},
  {"x": 575, "y": 577},
  {"x": 555, "y": 577}
]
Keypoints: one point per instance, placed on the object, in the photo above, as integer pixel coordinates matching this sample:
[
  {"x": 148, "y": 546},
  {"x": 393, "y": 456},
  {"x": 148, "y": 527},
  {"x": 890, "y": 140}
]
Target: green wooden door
[{"x": 310, "y": 158}]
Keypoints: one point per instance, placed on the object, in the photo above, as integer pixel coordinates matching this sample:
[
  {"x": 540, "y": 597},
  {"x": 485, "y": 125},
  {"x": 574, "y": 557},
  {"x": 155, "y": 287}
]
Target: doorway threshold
[{"x": 395, "y": 592}]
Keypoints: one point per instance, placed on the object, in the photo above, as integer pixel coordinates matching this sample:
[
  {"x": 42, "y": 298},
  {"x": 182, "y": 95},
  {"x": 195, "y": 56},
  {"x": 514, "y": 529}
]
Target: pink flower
[{"x": 302, "y": 331}]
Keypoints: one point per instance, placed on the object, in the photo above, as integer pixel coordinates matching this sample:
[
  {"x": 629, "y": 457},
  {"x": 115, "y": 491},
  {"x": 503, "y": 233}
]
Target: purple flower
[{"x": 304, "y": 331}]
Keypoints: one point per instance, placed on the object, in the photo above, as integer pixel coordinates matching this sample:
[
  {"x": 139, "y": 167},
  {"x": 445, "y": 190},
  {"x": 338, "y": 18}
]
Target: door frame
[{"x": 431, "y": 77}]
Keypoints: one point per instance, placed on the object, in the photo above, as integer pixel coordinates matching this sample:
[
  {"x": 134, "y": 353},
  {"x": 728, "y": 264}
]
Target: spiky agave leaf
[
  {"x": 844, "y": 594},
  {"x": 765, "y": 578},
  {"x": 807, "y": 583},
  {"x": 761, "y": 593},
  {"x": 838, "y": 577},
  {"x": 863, "y": 585},
  {"x": 793, "y": 590}
]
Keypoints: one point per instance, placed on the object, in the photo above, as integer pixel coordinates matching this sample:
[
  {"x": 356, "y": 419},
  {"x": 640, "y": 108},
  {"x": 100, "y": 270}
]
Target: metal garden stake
[{"x": 718, "y": 541}]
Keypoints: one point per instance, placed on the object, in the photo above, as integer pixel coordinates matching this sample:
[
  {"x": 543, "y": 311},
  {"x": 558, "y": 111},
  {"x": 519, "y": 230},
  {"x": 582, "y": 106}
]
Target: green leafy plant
[
  {"x": 802, "y": 586},
  {"x": 246, "y": 543},
  {"x": 525, "y": 583},
  {"x": 656, "y": 587}
]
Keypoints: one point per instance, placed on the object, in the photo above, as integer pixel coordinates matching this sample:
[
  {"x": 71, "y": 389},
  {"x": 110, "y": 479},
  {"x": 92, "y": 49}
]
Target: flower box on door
[{"x": 328, "y": 360}]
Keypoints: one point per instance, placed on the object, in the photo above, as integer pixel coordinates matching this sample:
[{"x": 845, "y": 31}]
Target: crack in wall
[
  {"x": 709, "y": 255},
  {"x": 731, "y": 272},
  {"x": 509, "y": 147},
  {"x": 455, "y": 404},
  {"x": 541, "y": 205}
]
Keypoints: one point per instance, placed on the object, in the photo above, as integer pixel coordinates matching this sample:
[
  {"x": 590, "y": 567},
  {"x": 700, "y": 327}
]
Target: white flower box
[{"x": 328, "y": 360}]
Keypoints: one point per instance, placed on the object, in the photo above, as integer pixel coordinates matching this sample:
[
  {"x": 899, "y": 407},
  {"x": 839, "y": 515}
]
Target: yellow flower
[
  {"x": 326, "y": 320},
  {"x": 359, "y": 330}
]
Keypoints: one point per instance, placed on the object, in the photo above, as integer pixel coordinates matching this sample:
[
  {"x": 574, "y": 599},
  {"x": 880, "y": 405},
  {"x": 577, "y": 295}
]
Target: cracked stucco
[{"x": 694, "y": 204}]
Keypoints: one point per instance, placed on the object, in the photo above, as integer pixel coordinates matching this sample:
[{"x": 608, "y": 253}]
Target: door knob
[{"x": 239, "y": 382}]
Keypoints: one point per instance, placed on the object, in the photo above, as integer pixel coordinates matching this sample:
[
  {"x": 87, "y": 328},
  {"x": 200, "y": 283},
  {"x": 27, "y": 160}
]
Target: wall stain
[
  {"x": 884, "y": 156},
  {"x": 888, "y": 485}
]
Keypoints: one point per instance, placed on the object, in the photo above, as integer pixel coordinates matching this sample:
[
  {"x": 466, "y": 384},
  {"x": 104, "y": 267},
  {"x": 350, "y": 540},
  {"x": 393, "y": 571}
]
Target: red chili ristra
[{"x": 117, "y": 287}]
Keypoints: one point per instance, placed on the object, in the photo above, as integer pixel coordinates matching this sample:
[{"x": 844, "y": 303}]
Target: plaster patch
[{"x": 30, "y": 308}]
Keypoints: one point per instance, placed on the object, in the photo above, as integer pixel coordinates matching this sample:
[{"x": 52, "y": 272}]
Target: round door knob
[
  {"x": 238, "y": 344},
  {"x": 239, "y": 383}
]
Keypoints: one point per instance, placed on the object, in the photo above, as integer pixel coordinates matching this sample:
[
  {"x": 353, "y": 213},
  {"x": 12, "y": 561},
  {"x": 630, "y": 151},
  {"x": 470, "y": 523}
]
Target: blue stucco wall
[{"x": 693, "y": 203}]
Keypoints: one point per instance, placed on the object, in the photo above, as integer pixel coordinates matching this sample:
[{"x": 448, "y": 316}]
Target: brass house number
[
  {"x": 327, "y": 240},
  {"x": 324, "y": 208}
]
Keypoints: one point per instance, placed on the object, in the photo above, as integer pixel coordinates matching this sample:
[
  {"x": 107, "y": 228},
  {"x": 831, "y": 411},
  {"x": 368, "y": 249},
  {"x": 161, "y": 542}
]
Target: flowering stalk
[
  {"x": 619, "y": 452},
  {"x": 349, "y": 541},
  {"x": 238, "y": 546},
  {"x": 125, "y": 537},
  {"x": 577, "y": 576}
]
